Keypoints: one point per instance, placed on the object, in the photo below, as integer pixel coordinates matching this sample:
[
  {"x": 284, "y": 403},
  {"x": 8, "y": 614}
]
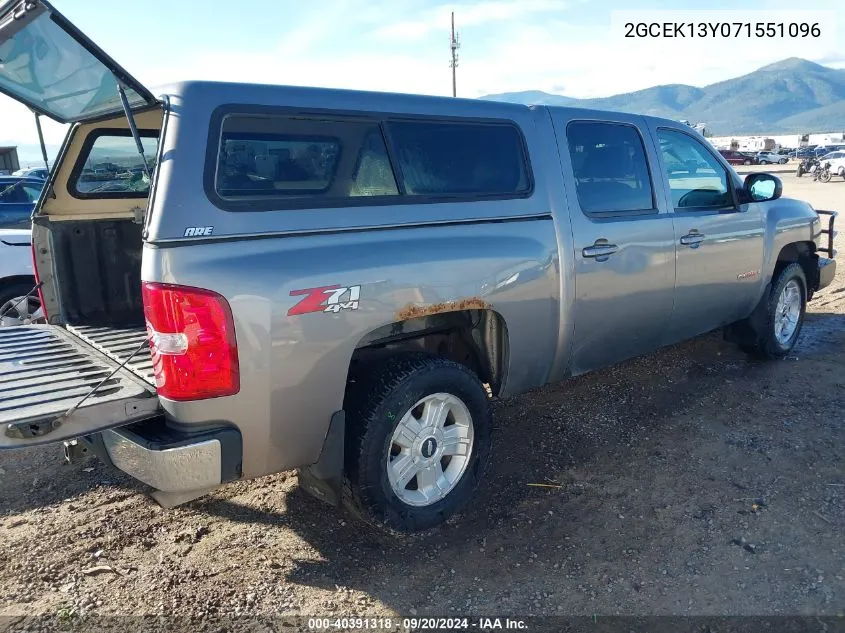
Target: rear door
[
  {"x": 719, "y": 241},
  {"x": 624, "y": 254},
  {"x": 50, "y": 66}
]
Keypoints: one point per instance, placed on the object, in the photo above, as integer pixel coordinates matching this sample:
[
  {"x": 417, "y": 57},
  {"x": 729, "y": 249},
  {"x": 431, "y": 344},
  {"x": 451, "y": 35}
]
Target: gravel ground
[{"x": 690, "y": 481}]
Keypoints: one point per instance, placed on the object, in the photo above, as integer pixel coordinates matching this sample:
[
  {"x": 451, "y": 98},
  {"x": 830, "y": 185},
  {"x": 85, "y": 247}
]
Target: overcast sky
[{"x": 561, "y": 46}]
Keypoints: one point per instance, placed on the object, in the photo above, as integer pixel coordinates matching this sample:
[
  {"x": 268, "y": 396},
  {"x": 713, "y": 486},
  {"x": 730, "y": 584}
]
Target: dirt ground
[{"x": 691, "y": 481}]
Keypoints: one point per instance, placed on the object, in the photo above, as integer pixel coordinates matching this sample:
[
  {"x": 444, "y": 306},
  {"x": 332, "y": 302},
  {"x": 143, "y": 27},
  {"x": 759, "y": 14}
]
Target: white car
[
  {"x": 837, "y": 162},
  {"x": 17, "y": 306},
  {"x": 770, "y": 158}
]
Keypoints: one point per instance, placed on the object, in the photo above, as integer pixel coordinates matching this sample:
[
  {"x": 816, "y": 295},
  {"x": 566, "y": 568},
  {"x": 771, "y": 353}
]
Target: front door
[
  {"x": 624, "y": 253},
  {"x": 719, "y": 241}
]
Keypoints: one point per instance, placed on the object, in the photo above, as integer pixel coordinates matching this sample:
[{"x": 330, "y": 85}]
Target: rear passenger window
[
  {"x": 610, "y": 167},
  {"x": 439, "y": 158},
  {"x": 291, "y": 158},
  {"x": 696, "y": 178}
]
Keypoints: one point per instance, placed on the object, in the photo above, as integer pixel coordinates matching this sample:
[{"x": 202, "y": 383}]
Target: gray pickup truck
[{"x": 244, "y": 279}]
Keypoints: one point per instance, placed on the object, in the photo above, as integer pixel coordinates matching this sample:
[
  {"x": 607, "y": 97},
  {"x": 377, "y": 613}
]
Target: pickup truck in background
[{"x": 339, "y": 281}]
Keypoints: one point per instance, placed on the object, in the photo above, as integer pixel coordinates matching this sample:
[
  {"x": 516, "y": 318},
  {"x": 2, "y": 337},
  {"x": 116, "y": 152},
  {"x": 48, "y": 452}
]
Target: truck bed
[{"x": 46, "y": 370}]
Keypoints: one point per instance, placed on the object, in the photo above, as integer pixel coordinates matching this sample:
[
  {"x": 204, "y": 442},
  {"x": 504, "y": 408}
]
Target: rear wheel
[
  {"x": 418, "y": 442},
  {"x": 772, "y": 330}
]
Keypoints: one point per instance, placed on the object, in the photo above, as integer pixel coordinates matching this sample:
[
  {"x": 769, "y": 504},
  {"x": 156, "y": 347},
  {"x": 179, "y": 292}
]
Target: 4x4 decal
[{"x": 326, "y": 299}]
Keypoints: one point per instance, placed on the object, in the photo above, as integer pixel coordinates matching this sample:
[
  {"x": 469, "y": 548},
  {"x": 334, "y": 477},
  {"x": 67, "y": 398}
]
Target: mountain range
[{"x": 790, "y": 96}]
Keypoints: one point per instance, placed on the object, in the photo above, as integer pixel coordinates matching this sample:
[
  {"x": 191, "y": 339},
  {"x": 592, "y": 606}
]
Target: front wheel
[
  {"x": 17, "y": 307},
  {"x": 825, "y": 176},
  {"x": 774, "y": 326},
  {"x": 783, "y": 161},
  {"x": 747, "y": 162},
  {"x": 418, "y": 442}
]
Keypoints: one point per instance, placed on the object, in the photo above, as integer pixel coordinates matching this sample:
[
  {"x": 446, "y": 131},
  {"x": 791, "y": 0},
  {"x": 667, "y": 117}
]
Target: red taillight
[
  {"x": 38, "y": 281},
  {"x": 192, "y": 341}
]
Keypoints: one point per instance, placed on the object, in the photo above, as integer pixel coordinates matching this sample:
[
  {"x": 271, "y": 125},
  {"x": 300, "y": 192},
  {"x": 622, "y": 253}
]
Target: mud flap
[
  {"x": 324, "y": 479},
  {"x": 744, "y": 333}
]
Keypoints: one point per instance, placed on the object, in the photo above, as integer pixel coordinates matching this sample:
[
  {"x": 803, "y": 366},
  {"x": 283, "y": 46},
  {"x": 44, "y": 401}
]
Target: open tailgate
[{"x": 45, "y": 371}]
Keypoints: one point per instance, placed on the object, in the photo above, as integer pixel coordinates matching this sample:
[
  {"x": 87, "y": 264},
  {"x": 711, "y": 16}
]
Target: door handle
[
  {"x": 693, "y": 238},
  {"x": 599, "y": 250}
]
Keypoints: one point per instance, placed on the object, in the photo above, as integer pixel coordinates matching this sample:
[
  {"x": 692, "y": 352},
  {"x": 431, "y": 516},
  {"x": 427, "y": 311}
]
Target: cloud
[
  {"x": 17, "y": 125},
  {"x": 548, "y": 45},
  {"x": 468, "y": 16}
]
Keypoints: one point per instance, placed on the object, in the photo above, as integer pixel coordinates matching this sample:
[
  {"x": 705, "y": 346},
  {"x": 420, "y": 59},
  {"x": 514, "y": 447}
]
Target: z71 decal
[{"x": 326, "y": 299}]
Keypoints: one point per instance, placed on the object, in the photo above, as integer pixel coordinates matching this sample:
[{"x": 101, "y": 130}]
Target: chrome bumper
[
  {"x": 180, "y": 469},
  {"x": 827, "y": 271},
  {"x": 173, "y": 461}
]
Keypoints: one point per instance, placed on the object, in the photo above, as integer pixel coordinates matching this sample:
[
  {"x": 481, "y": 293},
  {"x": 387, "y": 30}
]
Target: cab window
[
  {"x": 19, "y": 192},
  {"x": 697, "y": 179},
  {"x": 110, "y": 166},
  {"x": 610, "y": 168}
]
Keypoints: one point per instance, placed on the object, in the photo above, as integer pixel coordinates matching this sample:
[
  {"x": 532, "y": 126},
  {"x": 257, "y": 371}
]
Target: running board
[{"x": 45, "y": 371}]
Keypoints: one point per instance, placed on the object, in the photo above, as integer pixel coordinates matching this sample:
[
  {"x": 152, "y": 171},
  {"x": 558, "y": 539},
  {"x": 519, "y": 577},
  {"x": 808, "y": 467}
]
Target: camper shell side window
[{"x": 262, "y": 159}]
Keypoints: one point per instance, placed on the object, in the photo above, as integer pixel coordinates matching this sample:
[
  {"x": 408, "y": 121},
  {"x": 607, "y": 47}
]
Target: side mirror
[{"x": 762, "y": 187}]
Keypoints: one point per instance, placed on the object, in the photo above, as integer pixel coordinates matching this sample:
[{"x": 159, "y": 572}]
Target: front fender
[
  {"x": 788, "y": 221},
  {"x": 15, "y": 254}
]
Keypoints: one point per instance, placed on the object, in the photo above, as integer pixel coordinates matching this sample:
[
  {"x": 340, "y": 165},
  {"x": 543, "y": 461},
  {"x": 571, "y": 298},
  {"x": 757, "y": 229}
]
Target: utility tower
[{"x": 454, "y": 45}]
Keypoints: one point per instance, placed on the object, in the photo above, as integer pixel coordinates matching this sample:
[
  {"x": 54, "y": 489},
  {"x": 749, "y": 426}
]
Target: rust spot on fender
[{"x": 412, "y": 311}]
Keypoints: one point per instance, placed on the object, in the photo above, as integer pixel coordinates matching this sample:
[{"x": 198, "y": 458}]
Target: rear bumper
[
  {"x": 827, "y": 271},
  {"x": 170, "y": 460}
]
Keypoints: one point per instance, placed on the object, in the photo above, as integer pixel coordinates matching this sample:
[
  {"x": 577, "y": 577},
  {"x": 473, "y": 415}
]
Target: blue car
[{"x": 17, "y": 200}]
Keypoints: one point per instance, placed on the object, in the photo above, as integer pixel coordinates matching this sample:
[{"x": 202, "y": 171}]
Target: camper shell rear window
[{"x": 270, "y": 159}]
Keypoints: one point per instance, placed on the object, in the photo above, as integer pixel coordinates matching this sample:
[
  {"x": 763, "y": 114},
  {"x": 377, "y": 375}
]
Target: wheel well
[
  {"x": 803, "y": 253},
  {"x": 16, "y": 279},
  {"x": 475, "y": 338}
]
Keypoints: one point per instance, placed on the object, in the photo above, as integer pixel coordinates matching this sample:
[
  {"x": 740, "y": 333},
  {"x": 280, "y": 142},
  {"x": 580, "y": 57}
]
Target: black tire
[
  {"x": 783, "y": 161},
  {"x": 747, "y": 162},
  {"x": 375, "y": 403},
  {"x": 759, "y": 329},
  {"x": 825, "y": 176}
]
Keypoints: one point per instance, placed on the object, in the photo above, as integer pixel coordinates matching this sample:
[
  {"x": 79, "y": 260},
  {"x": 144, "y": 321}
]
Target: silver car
[
  {"x": 771, "y": 158},
  {"x": 244, "y": 279}
]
